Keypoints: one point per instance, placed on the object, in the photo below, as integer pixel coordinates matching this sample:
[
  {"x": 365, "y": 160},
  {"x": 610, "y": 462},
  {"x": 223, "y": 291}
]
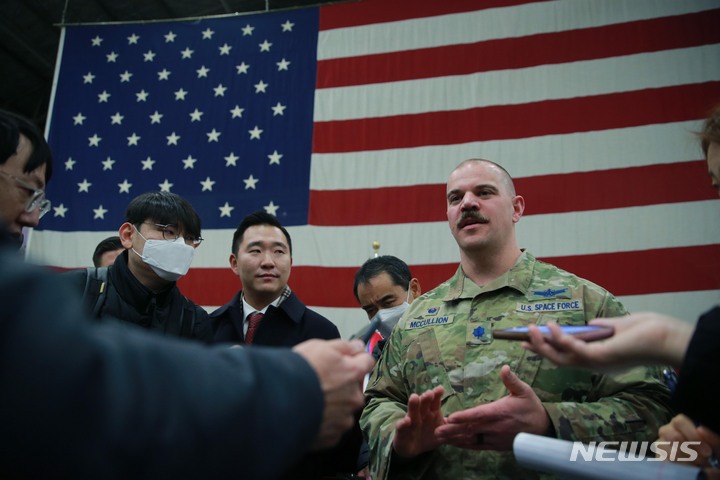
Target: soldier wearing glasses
[
  {"x": 160, "y": 235},
  {"x": 25, "y": 168}
]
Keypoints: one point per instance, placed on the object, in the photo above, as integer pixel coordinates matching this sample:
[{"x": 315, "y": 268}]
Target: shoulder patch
[{"x": 549, "y": 292}]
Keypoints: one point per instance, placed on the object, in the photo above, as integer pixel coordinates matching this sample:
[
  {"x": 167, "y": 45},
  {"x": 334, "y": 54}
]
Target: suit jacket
[
  {"x": 83, "y": 399},
  {"x": 285, "y": 326}
]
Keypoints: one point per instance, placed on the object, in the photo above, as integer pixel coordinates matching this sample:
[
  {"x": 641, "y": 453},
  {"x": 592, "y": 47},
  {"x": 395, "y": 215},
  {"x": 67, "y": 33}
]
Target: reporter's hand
[
  {"x": 639, "y": 338},
  {"x": 682, "y": 429},
  {"x": 340, "y": 367}
]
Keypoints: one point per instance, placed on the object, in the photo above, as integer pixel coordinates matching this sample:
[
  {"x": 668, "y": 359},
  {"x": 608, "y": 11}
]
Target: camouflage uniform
[{"x": 445, "y": 339}]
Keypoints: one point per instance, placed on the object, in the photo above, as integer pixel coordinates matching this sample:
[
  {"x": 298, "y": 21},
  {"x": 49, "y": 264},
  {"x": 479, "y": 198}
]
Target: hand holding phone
[{"x": 588, "y": 333}]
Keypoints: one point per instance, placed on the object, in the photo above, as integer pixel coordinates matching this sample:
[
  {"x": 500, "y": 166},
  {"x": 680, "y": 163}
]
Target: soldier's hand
[
  {"x": 415, "y": 433},
  {"x": 493, "y": 426},
  {"x": 340, "y": 367}
]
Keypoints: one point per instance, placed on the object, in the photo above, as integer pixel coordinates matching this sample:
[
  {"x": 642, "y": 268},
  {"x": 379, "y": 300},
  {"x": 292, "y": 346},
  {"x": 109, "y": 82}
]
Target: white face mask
[
  {"x": 170, "y": 260},
  {"x": 390, "y": 316}
]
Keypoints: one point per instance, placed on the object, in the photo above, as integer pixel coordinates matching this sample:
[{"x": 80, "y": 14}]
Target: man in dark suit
[
  {"x": 267, "y": 312},
  {"x": 262, "y": 257},
  {"x": 87, "y": 400}
]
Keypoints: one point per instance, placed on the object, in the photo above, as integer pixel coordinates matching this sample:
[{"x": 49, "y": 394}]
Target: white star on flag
[
  {"x": 148, "y": 163},
  {"x": 250, "y": 182},
  {"x": 231, "y": 160},
  {"x": 226, "y": 210},
  {"x": 99, "y": 212},
  {"x": 255, "y": 133},
  {"x": 133, "y": 139},
  {"x": 207, "y": 185},
  {"x": 124, "y": 186},
  {"x": 275, "y": 158},
  {"x": 84, "y": 186},
  {"x": 271, "y": 208},
  {"x": 213, "y": 136},
  {"x": 108, "y": 163},
  {"x": 189, "y": 162},
  {"x": 165, "y": 186},
  {"x": 60, "y": 210}
]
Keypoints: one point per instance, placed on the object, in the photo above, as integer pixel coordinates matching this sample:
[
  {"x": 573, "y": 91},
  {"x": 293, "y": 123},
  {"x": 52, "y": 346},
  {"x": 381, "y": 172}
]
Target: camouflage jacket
[{"x": 445, "y": 338}]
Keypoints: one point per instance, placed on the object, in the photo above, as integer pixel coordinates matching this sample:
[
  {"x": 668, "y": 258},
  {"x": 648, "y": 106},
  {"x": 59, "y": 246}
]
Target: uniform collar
[{"x": 519, "y": 277}]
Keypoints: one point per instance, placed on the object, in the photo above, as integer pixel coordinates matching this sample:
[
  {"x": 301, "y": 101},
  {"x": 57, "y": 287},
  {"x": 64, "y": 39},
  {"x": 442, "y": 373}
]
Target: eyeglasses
[
  {"x": 37, "y": 198},
  {"x": 169, "y": 233}
]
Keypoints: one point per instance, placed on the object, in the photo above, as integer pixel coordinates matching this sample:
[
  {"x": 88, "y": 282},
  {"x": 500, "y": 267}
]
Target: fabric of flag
[{"x": 345, "y": 121}]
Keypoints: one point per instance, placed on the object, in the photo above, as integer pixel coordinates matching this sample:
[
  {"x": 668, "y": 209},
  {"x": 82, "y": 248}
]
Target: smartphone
[{"x": 588, "y": 333}]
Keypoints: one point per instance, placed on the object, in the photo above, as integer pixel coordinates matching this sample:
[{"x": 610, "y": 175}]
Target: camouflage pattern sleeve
[
  {"x": 627, "y": 406},
  {"x": 383, "y": 410}
]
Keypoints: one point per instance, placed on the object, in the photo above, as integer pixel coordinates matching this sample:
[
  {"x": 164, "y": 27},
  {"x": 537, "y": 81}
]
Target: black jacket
[
  {"x": 285, "y": 326},
  {"x": 697, "y": 391},
  {"x": 124, "y": 298},
  {"x": 84, "y": 399}
]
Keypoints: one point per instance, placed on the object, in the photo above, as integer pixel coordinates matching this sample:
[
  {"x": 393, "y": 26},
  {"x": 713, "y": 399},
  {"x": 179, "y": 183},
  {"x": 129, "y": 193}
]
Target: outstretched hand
[
  {"x": 493, "y": 426},
  {"x": 415, "y": 433}
]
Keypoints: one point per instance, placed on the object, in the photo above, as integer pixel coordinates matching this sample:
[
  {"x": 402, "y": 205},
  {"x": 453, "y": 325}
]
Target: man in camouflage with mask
[{"x": 446, "y": 400}]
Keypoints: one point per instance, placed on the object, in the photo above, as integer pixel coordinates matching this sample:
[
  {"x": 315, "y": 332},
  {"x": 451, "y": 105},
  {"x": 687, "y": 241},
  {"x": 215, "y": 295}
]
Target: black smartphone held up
[{"x": 588, "y": 333}]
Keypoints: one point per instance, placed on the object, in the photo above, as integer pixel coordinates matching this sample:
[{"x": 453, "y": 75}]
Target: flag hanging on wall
[{"x": 345, "y": 120}]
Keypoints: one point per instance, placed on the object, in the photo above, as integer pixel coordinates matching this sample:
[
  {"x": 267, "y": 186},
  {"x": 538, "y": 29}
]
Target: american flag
[{"x": 345, "y": 121}]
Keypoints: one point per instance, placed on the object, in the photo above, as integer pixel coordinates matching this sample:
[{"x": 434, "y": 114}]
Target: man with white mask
[
  {"x": 160, "y": 234},
  {"x": 384, "y": 288}
]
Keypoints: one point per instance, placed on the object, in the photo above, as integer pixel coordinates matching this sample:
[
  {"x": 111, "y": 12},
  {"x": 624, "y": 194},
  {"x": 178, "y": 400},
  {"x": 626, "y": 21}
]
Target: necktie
[{"x": 253, "y": 323}]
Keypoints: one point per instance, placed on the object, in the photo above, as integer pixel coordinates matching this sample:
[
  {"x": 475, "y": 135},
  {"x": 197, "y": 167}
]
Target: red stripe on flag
[
  {"x": 624, "y": 273},
  {"x": 550, "y": 48},
  {"x": 570, "y": 192},
  {"x": 551, "y": 117},
  {"x": 644, "y": 272},
  {"x": 379, "y": 11}
]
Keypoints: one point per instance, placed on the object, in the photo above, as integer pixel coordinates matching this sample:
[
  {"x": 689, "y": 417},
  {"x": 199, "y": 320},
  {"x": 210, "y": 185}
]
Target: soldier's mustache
[{"x": 472, "y": 214}]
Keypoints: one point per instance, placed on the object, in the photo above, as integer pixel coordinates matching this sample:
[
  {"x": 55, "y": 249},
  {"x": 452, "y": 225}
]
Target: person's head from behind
[
  {"x": 384, "y": 282},
  {"x": 482, "y": 206},
  {"x": 162, "y": 230},
  {"x": 261, "y": 257},
  {"x": 107, "y": 251},
  {"x": 25, "y": 170},
  {"x": 710, "y": 142}
]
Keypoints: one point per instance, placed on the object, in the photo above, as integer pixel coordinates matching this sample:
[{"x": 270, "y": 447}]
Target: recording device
[
  {"x": 588, "y": 333},
  {"x": 367, "y": 331}
]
